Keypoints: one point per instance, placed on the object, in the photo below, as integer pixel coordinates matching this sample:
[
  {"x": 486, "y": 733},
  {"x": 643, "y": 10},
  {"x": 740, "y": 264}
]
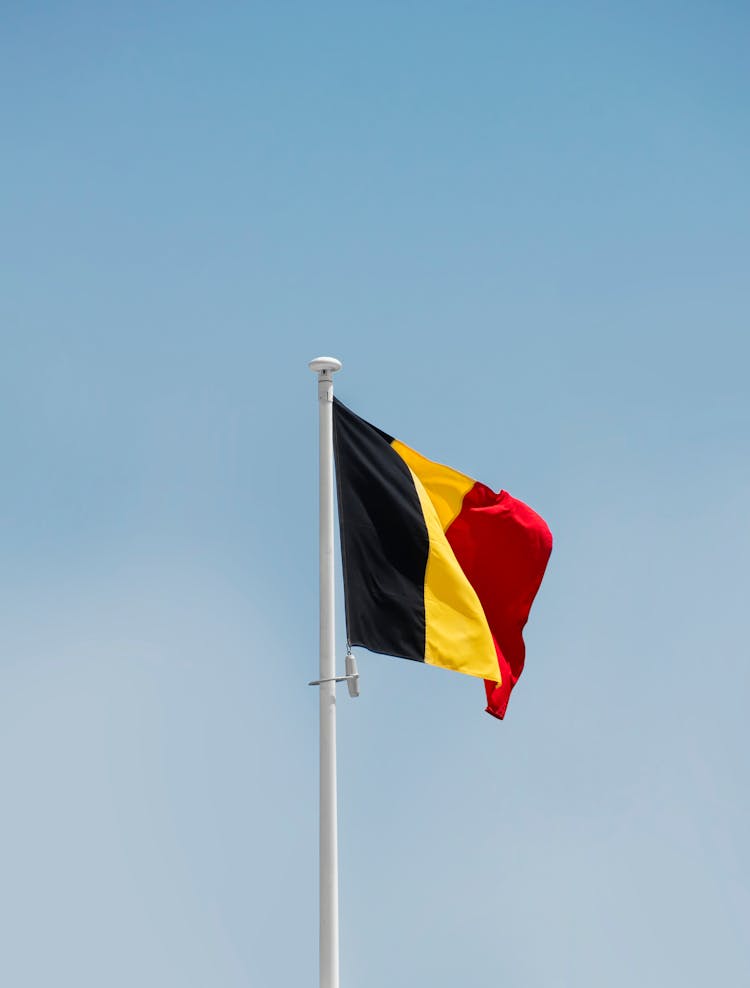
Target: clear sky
[{"x": 524, "y": 229}]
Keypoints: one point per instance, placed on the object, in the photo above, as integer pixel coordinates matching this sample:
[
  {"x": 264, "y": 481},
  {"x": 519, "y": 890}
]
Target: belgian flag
[{"x": 437, "y": 567}]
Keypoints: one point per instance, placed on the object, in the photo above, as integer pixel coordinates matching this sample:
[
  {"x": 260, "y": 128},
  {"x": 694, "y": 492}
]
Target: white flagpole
[{"x": 325, "y": 368}]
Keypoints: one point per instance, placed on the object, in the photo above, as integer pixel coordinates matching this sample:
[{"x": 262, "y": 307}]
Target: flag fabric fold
[{"x": 437, "y": 567}]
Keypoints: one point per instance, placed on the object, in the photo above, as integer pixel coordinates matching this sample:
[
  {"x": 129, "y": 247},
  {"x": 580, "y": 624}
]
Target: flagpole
[{"x": 325, "y": 368}]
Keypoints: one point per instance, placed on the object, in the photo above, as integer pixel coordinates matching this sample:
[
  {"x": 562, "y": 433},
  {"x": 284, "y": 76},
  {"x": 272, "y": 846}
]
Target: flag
[{"x": 437, "y": 567}]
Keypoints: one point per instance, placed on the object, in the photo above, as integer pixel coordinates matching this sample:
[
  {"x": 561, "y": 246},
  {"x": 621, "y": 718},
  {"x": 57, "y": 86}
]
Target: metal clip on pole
[{"x": 351, "y": 678}]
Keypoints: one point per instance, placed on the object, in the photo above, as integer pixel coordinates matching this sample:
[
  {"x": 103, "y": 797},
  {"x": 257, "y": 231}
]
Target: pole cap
[{"x": 322, "y": 364}]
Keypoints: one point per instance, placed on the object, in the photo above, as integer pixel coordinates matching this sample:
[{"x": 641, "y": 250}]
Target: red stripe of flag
[{"x": 503, "y": 547}]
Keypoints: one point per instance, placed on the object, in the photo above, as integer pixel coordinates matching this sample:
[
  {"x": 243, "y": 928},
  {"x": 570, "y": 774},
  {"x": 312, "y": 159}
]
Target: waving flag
[{"x": 437, "y": 567}]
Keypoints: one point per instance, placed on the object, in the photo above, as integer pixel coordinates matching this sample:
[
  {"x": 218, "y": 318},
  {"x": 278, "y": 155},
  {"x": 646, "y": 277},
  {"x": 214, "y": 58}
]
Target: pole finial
[{"x": 322, "y": 364}]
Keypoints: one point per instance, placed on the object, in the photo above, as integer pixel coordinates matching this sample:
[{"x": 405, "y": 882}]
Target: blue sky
[{"x": 524, "y": 230}]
